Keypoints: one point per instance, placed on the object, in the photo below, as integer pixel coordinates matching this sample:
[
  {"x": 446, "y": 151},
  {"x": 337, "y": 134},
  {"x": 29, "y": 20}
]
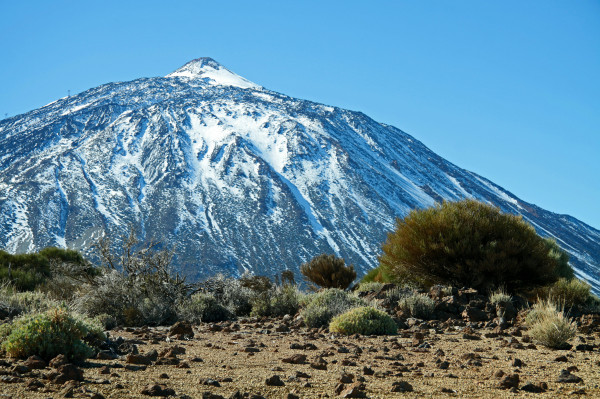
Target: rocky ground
[{"x": 280, "y": 358}]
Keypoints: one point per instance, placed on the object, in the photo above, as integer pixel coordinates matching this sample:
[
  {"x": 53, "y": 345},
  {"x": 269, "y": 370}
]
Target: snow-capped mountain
[{"x": 231, "y": 175}]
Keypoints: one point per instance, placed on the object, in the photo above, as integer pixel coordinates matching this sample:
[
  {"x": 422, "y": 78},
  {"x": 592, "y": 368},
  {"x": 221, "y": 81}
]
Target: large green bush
[
  {"x": 49, "y": 334},
  {"x": 328, "y": 271},
  {"x": 364, "y": 320},
  {"x": 323, "y": 306},
  {"x": 468, "y": 243}
]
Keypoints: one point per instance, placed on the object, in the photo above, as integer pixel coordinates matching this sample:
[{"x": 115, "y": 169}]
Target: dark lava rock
[
  {"x": 346, "y": 378},
  {"x": 566, "y": 377},
  {"x": 509, "y": 381},
  {"x": 401, "y": 386},
  {"x": 68, "y": 372},
  {"x": 368, "y": 370},
  {"x": 356, "y": 390},
  {"x": 295, "y": 359},
  {"x": 274, "y": 381},
  {"x": 182, "y": 329},
  {"x": 210, "y": 395},
  {"x": 533, "y": 388},
  {"x": 210, "y": 382},
  {"x": 35, "y": 362},
  {"x": 58, "y": 361},
  {"x": 157, "y": 390}
]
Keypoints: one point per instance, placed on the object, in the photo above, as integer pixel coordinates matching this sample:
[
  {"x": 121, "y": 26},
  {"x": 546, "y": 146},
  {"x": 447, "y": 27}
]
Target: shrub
[
  {"x": 230, "y": 293},
  {"x": 323, "y": 306},
  {"x": 369, "y": 286},
  {"x": 468, "y": 243},
  {"x": 14, "y": 303},
  {"x": 561, "y": 258},
  {"x": 500, "y": 297},
  {"x": 136, "y": 288},
  {"x": 417, "y": 305},
  {"x": 328, "y": 271},
  {"x": 202, "y": 307},
  {"x": 549, "y": 326},
  {"x": 364, "y": 320},
  {"x": 572, "y": 293},
  {"x": 285, "y": 300},
  {"x": 50, "y": 334},
  {"x": 24, "y": 271},
  {"x": 379, "y": 274}
]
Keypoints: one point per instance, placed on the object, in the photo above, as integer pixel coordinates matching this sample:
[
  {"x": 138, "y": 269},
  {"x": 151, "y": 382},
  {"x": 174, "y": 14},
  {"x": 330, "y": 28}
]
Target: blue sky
[{"x": 507, "y": 89}]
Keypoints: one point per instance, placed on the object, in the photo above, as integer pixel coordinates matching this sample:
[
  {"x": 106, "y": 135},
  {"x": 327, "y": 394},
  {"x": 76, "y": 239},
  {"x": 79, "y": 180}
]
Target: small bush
[
  {"x": 417, "y": 305},
  {"x": 323, "y": 306},
  {"x": 499, "y": 297},
  {"x": 573, "y": 293},
  {"x": 365, "y": 321},
  {"x": 50, "y": 334},
  {"x": 202, "y": 307},
  {"x": 278, "y": 301},
  {"x": 468, "y": 243},
  {"x": 549, "y": 326},
  {"x": 14, "y": 303},
  {"x": 371, "y": 286},
  {"x": 328, "y": 271},
  {"x": 379, "y": 274},
  {"x": 230, "y": 293}
]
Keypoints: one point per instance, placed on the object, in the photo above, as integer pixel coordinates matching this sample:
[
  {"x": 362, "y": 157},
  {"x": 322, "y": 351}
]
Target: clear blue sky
[{"x": 507, "y": 89}]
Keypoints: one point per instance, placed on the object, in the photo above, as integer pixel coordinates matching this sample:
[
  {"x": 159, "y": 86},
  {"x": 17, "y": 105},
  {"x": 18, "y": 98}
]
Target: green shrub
[
  {"x": 24, "y": 271},
  {"x": 323, "y": 306},
  {"x": 561, "y": 258},
  {"x": 202, "y": 307},
  {"x": 379, "y": 274},
  {"x": 500, "y": 297},
  {"x": 364, "y": 320},
  {"x": 13, "y": 302},
  {"x": 278, "y": 301},
  {"x": 328, "y": 271},
  {"x": 230, "y": 293},
  {"x": 572, "y": 293},
  {"x": 369, "y": 286},
  {"x": 549, "y": 326},
  {"x": 417, "y": 305},
  {"x": 50, "y": 334},
  {"x": 468, "y": 243}
]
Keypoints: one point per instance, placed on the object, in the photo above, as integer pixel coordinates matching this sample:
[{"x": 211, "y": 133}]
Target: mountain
[{"x": 232, "y": 176}]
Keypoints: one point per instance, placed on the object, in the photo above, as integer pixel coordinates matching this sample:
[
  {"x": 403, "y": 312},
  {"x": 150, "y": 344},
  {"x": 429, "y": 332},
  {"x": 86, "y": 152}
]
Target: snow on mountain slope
[{"x": 231, "y": 175}]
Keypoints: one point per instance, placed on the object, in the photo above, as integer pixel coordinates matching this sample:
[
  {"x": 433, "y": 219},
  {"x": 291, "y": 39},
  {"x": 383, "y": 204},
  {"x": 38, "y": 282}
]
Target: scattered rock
[
  {"x": 35, "y": 362},
  {"x": 566, "y": 377},
  {"x": 274, "y": 381},
  {"x": 509, "y": 381},
  {"x": 402, "y": 386},
  {"x": 58, "y": 361},
  {"x": 157, "y": 390},
  {"x": 356, "y": 390},
  {"x": 295, "y": 359},
  {"x": 181, "y": 329},
  {"x": 533, "y": 388}
]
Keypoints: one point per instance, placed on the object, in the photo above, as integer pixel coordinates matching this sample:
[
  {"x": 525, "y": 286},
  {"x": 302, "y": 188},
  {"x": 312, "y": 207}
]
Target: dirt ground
[{"x": 436, "y": 360}]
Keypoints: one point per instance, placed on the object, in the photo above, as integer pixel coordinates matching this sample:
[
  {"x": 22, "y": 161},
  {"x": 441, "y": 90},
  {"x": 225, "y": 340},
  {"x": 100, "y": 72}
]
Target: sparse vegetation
[
  {"x": 468, "y": 243},
  {"x": 573, "y": 293},
  {"x": 500, "y": 296},
  {"x": 202, "y": 307},
  {"x": 369, "y": 286},
  {"x": 328, "y": 271},
  {"x": 417, "y": 305},
  {"x": 365, "y": 321},
  {"x": 49, "y": 334},
  {"x": 549, "y": 325},
  {"x": 321, "y": 307}
]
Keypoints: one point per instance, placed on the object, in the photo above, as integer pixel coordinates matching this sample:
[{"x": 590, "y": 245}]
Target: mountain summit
[
  {"x": 212, "y": 72},
  {"x": 233, "y": 176}
]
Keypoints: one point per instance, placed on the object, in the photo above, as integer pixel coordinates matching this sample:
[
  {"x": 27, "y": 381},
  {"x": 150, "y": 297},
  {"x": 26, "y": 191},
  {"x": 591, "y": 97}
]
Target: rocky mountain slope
[{"x": 231, "y": 175}]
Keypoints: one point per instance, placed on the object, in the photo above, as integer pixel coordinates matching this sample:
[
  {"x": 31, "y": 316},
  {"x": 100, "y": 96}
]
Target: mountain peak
[{"x": 209, "y": 70}]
